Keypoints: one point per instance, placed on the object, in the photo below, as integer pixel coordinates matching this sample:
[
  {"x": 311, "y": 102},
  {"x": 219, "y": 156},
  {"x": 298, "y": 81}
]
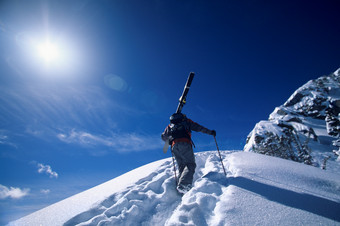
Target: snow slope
[{"x": 258, "y": 189}]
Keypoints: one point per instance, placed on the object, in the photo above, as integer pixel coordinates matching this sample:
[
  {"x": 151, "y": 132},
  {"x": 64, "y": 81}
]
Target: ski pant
[{"x": 185, "y": 158}]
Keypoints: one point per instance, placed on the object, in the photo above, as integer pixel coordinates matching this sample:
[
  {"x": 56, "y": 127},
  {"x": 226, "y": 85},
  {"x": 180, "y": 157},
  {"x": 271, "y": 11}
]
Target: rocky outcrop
[{"x": 305, "y": 128}]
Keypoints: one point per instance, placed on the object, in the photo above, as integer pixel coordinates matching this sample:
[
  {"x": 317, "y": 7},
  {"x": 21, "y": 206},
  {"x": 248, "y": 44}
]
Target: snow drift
[{"x": 258, "y": 189}]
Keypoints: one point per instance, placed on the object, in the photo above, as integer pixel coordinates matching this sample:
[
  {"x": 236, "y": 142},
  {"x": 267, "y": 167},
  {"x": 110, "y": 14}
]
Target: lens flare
[{"x": 115, "y": 82}]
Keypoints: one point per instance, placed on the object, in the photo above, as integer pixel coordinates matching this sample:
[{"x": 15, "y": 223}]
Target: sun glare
[
  {"x": 48, "y": 51},
  {"x": 50, "y": 54}
]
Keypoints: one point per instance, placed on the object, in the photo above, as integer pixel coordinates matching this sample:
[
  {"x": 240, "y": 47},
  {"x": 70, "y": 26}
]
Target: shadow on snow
[{"x": 313, "y": 204}]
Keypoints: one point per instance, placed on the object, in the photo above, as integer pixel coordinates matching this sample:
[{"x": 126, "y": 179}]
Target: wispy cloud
[
  {"x": 45, "y": 191},
  {"x": 11, "y": 192},
  {"x": 54, "y": 107},
  {"x": 4, "y": 139},
  {"x": 47, "y": 170},
  {"x": 120, "y": 142}
]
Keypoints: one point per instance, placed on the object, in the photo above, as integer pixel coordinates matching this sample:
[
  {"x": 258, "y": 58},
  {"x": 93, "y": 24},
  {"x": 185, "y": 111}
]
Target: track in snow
[{"x": 154, "y": 199}]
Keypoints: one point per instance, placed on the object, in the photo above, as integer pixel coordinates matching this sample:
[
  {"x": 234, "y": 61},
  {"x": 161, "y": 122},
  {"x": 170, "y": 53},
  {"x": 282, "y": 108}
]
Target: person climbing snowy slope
[{"x": 178, "y": 133}]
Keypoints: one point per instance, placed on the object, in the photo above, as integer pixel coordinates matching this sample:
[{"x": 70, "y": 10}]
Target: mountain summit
[{"x": 306, "y": 128}]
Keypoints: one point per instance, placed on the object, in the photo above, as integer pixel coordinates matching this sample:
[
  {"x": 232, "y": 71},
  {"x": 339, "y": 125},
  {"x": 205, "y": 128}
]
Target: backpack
[{"x": 179, "y": 130}]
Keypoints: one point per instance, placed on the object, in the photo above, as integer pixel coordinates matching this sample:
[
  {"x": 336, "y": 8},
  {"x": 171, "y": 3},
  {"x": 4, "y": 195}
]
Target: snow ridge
[{"x": 258, "y": 189}]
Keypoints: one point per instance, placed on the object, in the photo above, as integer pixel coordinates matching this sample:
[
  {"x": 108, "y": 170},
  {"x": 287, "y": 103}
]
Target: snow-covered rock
[
  {"x": 258, "y": 190},
  {"x": 305, "y": 127}
]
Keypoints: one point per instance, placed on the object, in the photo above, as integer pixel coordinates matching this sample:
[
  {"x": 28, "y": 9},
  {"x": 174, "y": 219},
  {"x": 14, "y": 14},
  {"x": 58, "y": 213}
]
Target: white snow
[{"x": 258, "y": 190}]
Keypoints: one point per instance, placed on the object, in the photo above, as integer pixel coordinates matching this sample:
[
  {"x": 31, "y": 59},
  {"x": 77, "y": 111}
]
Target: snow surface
[{"x": 258, "y": 190}]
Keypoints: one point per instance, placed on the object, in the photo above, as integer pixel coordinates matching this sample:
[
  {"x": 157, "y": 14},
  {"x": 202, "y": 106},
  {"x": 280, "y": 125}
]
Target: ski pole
[
  {"x": 173, "y": 162},
  {"x": 220, "y": 156}
]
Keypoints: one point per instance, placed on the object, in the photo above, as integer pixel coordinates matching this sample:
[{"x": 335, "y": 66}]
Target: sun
[
  {"x": 51, "y": 54},
  {"x": 48, "y": 51}
]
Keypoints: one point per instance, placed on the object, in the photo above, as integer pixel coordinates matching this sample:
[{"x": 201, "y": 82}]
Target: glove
[{"x": 213, "y": 132}]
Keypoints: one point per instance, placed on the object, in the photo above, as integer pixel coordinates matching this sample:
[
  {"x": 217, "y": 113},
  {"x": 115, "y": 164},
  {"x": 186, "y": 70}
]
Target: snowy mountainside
[
  {"x": 306, "y": 128},
  {"x": 258, "y": 190}
]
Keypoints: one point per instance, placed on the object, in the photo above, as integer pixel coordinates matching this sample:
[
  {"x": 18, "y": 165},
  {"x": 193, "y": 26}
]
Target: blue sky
[{"x": 96, "y": 108}]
